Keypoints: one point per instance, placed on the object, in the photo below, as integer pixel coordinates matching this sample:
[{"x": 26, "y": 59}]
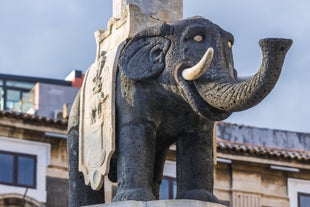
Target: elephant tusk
[{"x": 200, "y": 68}]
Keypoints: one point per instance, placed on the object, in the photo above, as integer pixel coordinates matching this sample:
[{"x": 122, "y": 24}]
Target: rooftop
[
  {"x": 234, "y": 143},
  {"x": 33, "y": 120},
  {"x": 34, "y": 79},
  {"x": 265, "y": 137},
  {"x": 262, "y": 151}
]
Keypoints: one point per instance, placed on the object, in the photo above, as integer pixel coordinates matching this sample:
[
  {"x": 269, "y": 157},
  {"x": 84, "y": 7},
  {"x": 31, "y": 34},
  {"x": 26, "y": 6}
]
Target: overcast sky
[{"x": 52, "y": 37}]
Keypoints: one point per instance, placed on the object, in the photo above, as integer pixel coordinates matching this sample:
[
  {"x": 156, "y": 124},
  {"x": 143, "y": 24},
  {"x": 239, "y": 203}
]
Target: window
[
  {"x": 168, "y": 188},
  {"x": 303, "y": 199},
  {"x": 20, "y": 84},
  {"x": 298, "y": 192},
  {"x": 18, "y": 169},
  {"x": 12, "y": 99},
  {"x": 11, "y": 93}
]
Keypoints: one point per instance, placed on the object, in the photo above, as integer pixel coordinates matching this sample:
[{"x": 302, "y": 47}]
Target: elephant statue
[{"x": 173, "y": 82}]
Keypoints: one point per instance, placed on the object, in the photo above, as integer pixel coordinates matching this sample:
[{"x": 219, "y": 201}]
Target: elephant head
[{"x": 193, "y": 59}]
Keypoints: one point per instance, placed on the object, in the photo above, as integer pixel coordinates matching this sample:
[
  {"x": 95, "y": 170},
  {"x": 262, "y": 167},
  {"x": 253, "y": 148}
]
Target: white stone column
[{"x": 167, "y": 10}]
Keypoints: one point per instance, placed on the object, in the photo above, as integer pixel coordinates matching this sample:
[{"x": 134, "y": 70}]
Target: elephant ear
[{"x": 144, "y": 57}]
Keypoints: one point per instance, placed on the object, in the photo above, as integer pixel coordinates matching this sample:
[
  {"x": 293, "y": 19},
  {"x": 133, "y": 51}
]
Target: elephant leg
[
  {"x": 160, "y": 158},
  {"x": 136, "y": 150},
  {"x": 195, "y": 166},
  {"x": 79, "y": 193}
]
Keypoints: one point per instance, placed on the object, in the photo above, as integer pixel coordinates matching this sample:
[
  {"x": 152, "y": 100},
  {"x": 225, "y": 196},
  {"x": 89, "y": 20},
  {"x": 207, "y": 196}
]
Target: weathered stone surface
[
  {"x": 151, "y": 93},
  {"x": 97, "y": 110},
  {"x": 79, "y": 193},
  {"x": 170, "y": 11},
  {"x": 145, "y": 64},
  {"x": 161, "y": 203},
  {"x": 97, "y": 142}
]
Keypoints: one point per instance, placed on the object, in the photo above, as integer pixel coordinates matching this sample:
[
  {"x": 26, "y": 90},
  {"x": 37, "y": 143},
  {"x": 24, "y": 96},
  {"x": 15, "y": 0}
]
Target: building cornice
[{"x": 30, "y": 122}]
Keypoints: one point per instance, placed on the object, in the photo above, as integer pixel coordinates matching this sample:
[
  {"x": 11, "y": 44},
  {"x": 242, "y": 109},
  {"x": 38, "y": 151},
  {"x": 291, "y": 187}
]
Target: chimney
[{"x": 76, "y": 78}]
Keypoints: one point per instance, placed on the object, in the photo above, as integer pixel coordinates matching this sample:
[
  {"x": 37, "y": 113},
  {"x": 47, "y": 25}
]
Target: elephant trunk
[{"x": 240, "y": 95}]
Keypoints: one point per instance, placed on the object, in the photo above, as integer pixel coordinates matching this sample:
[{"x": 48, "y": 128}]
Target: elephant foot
[
  {"x": 199, "y": 194},
  {"x": 138, "y": 194}
]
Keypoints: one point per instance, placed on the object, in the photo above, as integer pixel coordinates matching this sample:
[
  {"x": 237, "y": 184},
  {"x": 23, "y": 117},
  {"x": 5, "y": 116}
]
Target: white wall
[
  {"x": 42, "y": 151},
  {"x": 296, "y": 186},
  {"x": 170, "y": 169},
  {"x": 52, "y": 97}
]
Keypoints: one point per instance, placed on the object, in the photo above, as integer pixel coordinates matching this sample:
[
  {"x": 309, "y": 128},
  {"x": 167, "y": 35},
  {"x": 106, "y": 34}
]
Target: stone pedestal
[{"x": 161, "y": 203}]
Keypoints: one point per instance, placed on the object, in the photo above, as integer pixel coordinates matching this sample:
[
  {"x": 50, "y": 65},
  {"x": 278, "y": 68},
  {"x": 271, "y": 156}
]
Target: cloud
[{"x": 51, "y": 38}]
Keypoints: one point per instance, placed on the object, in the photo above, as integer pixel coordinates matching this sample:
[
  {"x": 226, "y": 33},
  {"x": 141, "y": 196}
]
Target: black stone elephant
[{"x": 174, "y": 81}]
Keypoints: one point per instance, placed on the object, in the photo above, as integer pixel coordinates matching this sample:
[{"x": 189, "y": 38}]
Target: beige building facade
[
  {"x": 246, "y": 174},
  {"x": 256, "y": 176},
  {"x": 38, "y": 150}
]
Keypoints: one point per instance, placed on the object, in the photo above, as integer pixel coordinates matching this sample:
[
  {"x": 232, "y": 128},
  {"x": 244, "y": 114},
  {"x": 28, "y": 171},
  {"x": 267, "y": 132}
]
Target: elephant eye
[
  {"x": 229, "y": 44},
  {"x": 198, "y": 38}
]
